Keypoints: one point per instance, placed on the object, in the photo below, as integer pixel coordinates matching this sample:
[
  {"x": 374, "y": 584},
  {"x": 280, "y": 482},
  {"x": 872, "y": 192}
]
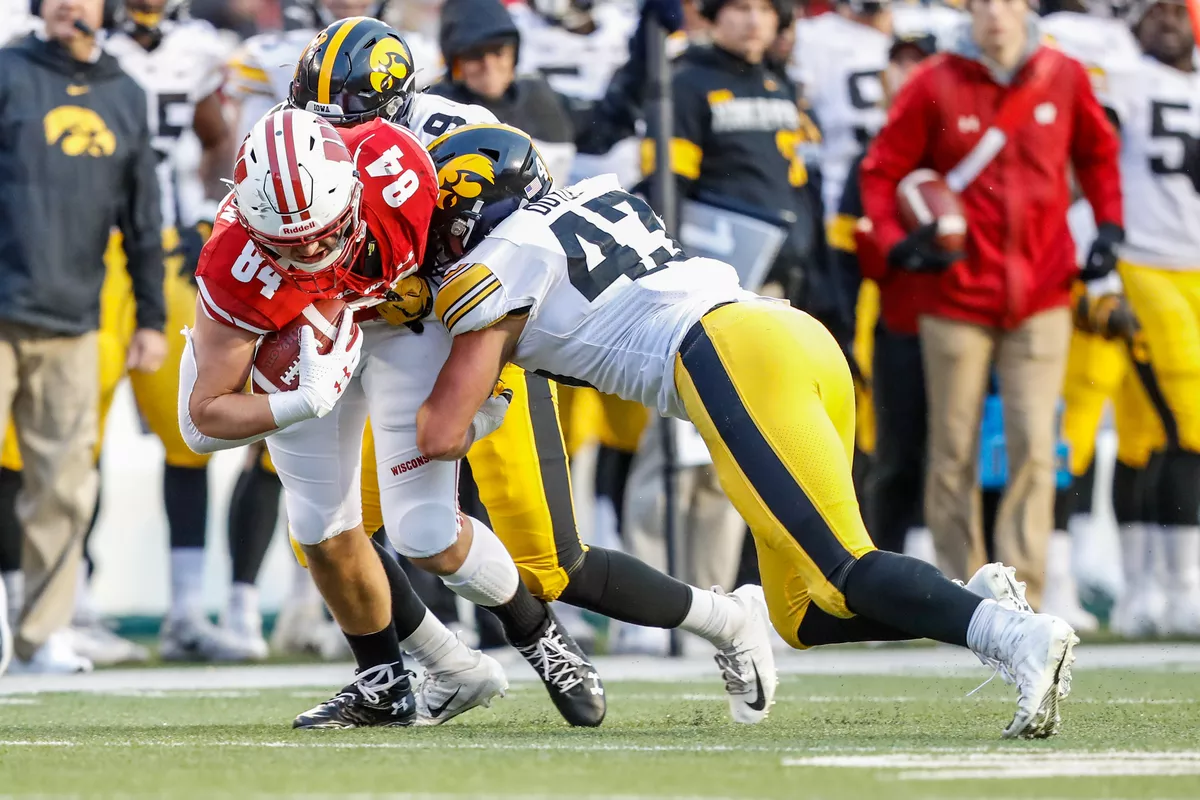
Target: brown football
[
  {"x": 923, "y": 197},
  {"x": 277, "y": 358}
]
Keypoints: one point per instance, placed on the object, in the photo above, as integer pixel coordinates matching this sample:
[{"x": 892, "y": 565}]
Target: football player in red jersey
[{"x": 308, "y": 220}]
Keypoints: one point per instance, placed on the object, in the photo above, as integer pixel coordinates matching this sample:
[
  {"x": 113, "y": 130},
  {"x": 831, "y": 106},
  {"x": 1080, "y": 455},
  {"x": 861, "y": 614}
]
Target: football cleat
[
  {"x": 445, "y": 695},
  {"x": 571, "y": 680},
  {"x": 95, "y": 642},
  {"x": 1035, "y": 652},
  {"x": 1000, "y": 584},
  {"x": 197, "y": 639},
  {"x": 381, "y": 697},
  {"x": 747, "y": 663},
  {"x": 56, "y": 656}
]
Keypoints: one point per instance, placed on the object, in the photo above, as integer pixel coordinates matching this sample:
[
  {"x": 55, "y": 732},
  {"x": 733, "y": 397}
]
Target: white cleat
[
  {"x": 1034, "y": 651},
  {"x": 197, "y": 639},
  {"x": 55, "y": 657},
  {"x": 748, "y": 662},
  {"x": 445, "y": 695},
  {"x": 1000, "y": 583},
  {"x": 300, "y": 629},
  {"x": 1141, "y": 613},
  {"x": 1182, "y": 615},
  {"x": 95, "y": 642}
]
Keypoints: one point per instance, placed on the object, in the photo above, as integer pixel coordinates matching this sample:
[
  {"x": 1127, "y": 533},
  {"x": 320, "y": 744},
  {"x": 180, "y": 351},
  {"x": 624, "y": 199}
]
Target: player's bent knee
[
  {"x": 311, "y": 529},
  {"x": 425, "y": 531}
]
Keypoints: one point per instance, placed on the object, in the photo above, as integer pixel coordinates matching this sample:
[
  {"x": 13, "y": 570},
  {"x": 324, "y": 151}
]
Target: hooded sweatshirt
[{"x": 75, "y": 162}]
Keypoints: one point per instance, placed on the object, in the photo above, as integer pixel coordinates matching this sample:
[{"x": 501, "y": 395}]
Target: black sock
[
  {"x": 620, "y": 586},
  {"x": 373, "y": 649},
  {"x": 10, "y": 526},
  {"x": 253, "y": 512},
  {"x": 185, "y": 495},
  {"x": 524, "y": 617},
  {"x": 819, "y": 628},
  {"x": 910, "y": 595},
  {"x": 407, "y": 609}
]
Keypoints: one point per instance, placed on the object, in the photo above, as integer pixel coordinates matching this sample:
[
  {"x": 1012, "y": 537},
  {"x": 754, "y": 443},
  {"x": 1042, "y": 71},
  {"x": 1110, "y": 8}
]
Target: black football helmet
[
  {"x": 355, "y": 70},
  {"x": 485, "y": 173}
]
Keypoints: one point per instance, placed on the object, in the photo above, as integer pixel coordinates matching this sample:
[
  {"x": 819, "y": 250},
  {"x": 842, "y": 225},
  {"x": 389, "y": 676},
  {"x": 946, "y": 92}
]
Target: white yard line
[
  {"x": 927, "y": 661},
  {"x": 1010, "y": 765}
]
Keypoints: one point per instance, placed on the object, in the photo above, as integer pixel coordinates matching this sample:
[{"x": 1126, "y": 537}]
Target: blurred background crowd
[{"x": 989, "y": 378}]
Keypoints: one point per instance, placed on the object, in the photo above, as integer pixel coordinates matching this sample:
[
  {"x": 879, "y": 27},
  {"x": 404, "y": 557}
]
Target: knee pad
[
  {"x": 425, "y": 530},
  {"x": 1178, "y": 491},
  {"x": 1127, "y": 493}
]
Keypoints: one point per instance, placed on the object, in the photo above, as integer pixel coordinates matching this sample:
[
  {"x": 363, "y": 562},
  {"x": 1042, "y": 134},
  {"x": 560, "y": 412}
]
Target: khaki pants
[
  {"x": 1030, "y": 362},
  {"x": 709, "y": 531},
  {"x": 50, "y": 384}
]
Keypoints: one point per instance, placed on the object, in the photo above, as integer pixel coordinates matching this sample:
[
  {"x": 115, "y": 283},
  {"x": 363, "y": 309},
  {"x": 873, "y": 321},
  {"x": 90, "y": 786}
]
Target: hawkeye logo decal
[
  {"x": 390, "y": 65},
  {"x": 79, "y": 132},
  {"x": 463, "y": 176}
]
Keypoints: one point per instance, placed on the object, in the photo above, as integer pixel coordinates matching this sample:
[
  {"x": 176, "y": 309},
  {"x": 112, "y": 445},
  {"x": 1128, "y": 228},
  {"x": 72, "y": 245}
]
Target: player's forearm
[
  {"x": 233, "y": 416},
  {"x": 441, "y": 436}
]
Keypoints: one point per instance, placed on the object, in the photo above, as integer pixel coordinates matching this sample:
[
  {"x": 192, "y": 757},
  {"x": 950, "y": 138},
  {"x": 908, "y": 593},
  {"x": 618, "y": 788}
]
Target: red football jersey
[{"x": 238, "y": 287}]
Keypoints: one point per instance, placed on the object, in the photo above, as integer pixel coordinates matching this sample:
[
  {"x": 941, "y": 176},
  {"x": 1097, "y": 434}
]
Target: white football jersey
[
  {"x": 581, "y": 65},
  {"x": 187, "y": 66},
  {"x": 432, "y": 115},
  {"x": 1159, "y": 110},
  {"x": 609, "y": 295},
  {"x": 1101, "y": 44},
  {"x": 838, "y": 64},
  {"x": 944, "y": 22},
  {"x": 261, "y": 72}
]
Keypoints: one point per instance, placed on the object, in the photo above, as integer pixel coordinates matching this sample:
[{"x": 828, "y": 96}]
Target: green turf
[{"x": 660, "y": 739}]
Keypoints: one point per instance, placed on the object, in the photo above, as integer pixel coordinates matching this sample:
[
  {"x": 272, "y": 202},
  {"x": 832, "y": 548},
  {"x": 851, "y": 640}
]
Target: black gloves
[
  {"x": 920, "y": 253},
  {"x": 1102, "y": 258}
]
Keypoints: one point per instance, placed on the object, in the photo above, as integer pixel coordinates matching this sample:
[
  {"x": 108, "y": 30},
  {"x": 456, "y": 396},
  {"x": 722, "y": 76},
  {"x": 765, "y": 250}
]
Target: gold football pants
[
  {"x": 772, "y": 396},
  {"x": 521, "y": 472}
]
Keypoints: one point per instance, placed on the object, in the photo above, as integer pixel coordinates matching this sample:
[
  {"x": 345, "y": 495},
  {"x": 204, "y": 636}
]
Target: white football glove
[
  {"x": 490, "y": 415},
  {"x": 323, "y": 378}
]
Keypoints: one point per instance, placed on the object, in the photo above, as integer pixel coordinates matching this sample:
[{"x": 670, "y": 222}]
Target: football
[
  {"x": 923, "y": 197},
  {"x": 277, "y": 357}
]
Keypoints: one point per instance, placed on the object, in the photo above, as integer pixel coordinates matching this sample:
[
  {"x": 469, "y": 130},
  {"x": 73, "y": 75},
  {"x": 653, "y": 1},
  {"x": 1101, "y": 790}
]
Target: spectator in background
[
  {"x": 737, "y": 131},
  {"x": 893, "y": 493},
  {"x": 75, "y": 157},
  {"x": 1004, "y": 116}
]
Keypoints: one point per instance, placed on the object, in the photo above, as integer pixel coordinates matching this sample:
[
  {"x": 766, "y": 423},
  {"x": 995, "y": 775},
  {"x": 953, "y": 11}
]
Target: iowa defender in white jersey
[
  {"x": 585, "y": 284},
  {"x": 1157, "y": 106}
]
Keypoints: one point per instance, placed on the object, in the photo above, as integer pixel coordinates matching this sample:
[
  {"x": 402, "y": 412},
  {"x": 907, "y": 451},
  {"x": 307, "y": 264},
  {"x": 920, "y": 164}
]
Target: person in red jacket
[{"x": 1003, "y": 117}]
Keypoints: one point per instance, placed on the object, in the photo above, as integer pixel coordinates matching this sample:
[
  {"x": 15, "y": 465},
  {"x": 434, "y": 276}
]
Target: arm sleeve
[
  {"x": 897, "y": 150},
  {"x": 690, "y": 124},
  {"x": 141, "y": 226},
  {"x": 1094, "y": 152}
]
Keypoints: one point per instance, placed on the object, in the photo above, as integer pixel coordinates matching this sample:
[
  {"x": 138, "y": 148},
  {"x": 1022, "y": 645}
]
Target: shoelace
[
  {"x": 737, "y": 679},
  {"x": 556, "y": 663},
  {"x": 372, "y": 683}
]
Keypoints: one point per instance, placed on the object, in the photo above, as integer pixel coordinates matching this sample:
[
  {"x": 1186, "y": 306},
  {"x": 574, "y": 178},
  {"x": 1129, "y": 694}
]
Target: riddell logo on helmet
[{"x": 298, "y": 227}]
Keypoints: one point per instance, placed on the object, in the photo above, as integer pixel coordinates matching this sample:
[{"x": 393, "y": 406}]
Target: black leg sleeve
[
  {"x": 185, "y": 495},
  {"x": 620, "y": 586},
  {"x": 253, "y": 512}
]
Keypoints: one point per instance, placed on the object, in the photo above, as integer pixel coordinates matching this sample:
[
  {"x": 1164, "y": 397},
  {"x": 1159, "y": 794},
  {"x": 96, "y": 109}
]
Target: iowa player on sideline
[
  {"x": 521, "y": 469},
  {"x": 584, "y": 283},
  {"x": 1155, "y": 106}
]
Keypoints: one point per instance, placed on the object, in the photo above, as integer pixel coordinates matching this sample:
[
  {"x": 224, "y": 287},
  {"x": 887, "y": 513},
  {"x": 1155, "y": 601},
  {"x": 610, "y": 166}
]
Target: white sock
[
  {"x": 304, "y": 590},
  {"x": 243, "y": 601},
  {"x": 14, "y": 589},
  {"x": 85, "y": 612},
  {"x": 434, "y": 647},
  {"x": 979, "y": 631},
  {"x": 487, "y": 577},
  {"x": 713, "y": 616},
  {"x": 1133, "y": 556},
  {"x": 1181, "y": 544},
  {"x": 187, "y": 582}
]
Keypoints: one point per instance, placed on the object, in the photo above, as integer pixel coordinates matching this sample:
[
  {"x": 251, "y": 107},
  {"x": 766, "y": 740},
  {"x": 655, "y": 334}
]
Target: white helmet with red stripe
[{"x": 298, "y": 196}]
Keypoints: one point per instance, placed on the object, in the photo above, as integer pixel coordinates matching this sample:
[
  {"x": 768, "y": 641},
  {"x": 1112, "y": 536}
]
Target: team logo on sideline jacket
[{"x": 78, "y": 131}]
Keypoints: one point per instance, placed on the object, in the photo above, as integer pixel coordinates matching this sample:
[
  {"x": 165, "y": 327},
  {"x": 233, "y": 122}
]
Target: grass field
[{"x": 1129, "y": 733}]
